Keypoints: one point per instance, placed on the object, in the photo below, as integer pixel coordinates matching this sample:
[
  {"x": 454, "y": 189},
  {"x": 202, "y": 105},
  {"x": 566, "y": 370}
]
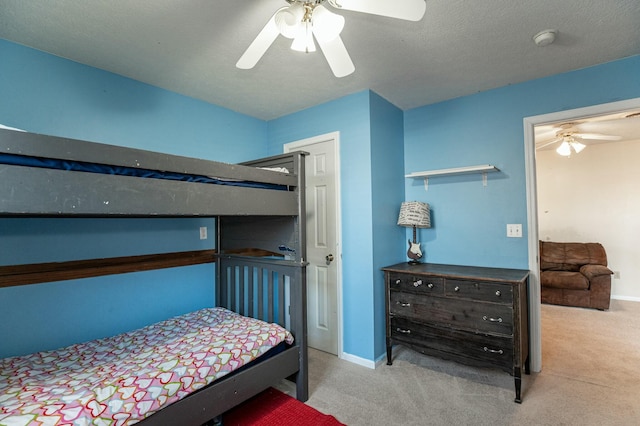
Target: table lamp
[{"x": 414, "y": 214}]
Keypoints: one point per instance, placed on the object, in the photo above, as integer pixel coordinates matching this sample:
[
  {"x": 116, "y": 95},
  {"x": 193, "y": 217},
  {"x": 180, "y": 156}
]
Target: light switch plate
[{"x": 514, "y": 230}]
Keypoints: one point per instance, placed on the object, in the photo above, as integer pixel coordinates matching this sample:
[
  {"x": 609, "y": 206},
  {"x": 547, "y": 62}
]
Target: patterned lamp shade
[{"x": 414, "y": 214}]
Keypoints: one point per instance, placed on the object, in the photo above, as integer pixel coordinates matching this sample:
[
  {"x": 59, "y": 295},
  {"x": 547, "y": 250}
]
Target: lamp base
[{"x": 414, "y": 253}]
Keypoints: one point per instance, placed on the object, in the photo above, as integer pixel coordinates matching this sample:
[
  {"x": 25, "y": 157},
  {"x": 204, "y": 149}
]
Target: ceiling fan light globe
[
  {"x": 577, "y": 146},
  {"x": 289, "y": 20},
  {"x": 564, "y": 149},
  {"x": 326, "y": 24},
  {"x": 303, "y": 46},
  {"x": 303, "y": 41}
]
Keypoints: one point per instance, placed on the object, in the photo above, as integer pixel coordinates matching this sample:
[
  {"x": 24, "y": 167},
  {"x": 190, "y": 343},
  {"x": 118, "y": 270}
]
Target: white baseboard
[
  {"x": 358, "y": 360},
  {"x": 628, "y": 298},
  {"x": 382, "y": 360}
]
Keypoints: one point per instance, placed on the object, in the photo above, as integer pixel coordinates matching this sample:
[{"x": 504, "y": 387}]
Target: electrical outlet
[
  {"x": 203, "y": 232},
  {"x": 514, "y": 230}
]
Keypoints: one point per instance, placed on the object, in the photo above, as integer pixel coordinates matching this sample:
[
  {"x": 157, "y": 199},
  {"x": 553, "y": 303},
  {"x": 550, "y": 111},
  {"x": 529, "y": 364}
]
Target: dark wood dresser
[{"x": 472, "y": 315}]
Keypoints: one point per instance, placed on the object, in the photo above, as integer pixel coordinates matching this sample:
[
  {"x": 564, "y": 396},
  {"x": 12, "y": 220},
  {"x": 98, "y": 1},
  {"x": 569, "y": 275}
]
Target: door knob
[{"x": 329, "y": 258}]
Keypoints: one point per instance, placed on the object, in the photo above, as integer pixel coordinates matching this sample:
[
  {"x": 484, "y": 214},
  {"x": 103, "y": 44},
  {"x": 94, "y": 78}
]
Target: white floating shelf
[
  {"x": 484, "y": 169},
  {"x": 455, "y": 171}
]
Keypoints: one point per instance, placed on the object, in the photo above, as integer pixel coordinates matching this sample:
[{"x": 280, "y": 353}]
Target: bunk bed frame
[{"x": 260, "y": 253}]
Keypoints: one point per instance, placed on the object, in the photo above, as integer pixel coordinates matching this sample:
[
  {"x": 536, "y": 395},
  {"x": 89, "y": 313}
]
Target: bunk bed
[{"x": 260, "y": 243}]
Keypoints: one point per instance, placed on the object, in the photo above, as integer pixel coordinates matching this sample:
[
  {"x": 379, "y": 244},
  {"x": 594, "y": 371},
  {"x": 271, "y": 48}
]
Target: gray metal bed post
[
  {"x": 218, "y": 271},
  {"x": 302, "y": 382}
]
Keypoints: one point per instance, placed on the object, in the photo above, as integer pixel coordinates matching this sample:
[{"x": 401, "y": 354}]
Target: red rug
[{"x": 274, "y": 408}]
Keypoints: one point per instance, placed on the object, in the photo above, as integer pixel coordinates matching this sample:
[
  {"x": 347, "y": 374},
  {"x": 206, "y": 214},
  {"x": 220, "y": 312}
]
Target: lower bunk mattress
[{"x": 121, "y": 380}]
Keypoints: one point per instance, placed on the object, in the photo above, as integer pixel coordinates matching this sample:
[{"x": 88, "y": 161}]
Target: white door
[{"x": 322, "y": 245}]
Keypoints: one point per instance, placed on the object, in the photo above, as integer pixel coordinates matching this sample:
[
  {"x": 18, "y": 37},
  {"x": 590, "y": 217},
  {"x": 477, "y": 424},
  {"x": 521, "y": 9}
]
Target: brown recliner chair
[{"x": 575, "y": 274}]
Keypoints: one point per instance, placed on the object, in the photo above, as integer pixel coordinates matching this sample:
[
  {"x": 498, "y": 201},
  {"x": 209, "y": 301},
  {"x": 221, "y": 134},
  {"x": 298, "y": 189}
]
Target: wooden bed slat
[
  {"x": 270, "y": 293},
  {"x": 282, "y": 318},
  {"x": 261, "y": 293},
  {"x": 251, "y": 294},
  {"x": 15, "y": 275},
  {"x": 244, "y": 279}
]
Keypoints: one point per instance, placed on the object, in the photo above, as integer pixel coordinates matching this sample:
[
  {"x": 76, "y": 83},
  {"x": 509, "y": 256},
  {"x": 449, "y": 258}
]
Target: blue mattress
[{"x": 80, "y": 166}]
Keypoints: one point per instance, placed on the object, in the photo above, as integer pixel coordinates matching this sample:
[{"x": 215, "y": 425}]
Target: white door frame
[
  {"x": 532, "y": 207},
  {"x": 299, "y": 146}
]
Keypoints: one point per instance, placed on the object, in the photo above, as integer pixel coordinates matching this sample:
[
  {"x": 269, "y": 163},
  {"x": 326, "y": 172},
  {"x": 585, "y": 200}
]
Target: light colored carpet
[{"x": 590, "y": 376}]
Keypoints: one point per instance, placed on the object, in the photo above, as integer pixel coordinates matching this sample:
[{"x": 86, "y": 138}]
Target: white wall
[{"x": 594, "y": 196}]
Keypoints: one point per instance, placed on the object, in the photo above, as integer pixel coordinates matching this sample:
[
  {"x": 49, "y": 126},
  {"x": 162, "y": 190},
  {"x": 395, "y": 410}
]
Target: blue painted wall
[
  {"x": 387, "y": 183},
  {"x": 351, "y": 117},
  {"x": 469, "y": 220},
  {"x": 371, "y": 154},
  {"x": 46, "y": 94},
  {"x": 51, "y": 315}
]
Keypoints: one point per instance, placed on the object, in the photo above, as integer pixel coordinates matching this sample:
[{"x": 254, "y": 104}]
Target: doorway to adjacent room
[{"x": 532, "y": 205}]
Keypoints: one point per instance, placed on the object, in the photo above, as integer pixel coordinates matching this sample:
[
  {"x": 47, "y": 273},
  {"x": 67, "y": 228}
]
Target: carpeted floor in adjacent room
[{"x": 590, "y": 376}]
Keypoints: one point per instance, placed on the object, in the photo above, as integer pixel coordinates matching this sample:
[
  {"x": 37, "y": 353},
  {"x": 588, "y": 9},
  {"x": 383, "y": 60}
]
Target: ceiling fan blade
[
  {"x": 337, "y": 56},
  {"x": 544, "y": 144},
  {"x": 259, "y": 46},
  {"x": 410, "y": 10},
  {"x": 544, "y": 135},
  {"x": 598, "y": 136}
]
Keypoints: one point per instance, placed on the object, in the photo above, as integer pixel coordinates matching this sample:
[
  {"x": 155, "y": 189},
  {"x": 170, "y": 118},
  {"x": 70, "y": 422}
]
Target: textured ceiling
[{"x": 459, "y": 48}]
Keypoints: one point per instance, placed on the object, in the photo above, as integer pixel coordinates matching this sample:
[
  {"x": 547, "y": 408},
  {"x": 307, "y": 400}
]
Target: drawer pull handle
[
  {"x": 404, "y": 304},
  {"x": 486, "y": 318},
  {"x": 398, "y": 282},
  {"x": 493, "y": 351},
  {"x": 498, "y": 293},
  {"x": 400, "y": 330},
  {"x": 456, "y": 288},
  {"x": 430, "y": 285},
  {"x": 417, "y": 283}
]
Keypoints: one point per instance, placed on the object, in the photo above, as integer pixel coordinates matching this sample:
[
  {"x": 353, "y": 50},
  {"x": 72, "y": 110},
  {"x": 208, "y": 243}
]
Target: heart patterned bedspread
[{"x": 122, "y": 379}]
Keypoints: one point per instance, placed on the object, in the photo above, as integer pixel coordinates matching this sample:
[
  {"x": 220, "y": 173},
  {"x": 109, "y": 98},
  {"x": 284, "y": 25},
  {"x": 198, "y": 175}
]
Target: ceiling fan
[
  {"x": 570, "y": 139},
  {"x": 306, "y": 20}
]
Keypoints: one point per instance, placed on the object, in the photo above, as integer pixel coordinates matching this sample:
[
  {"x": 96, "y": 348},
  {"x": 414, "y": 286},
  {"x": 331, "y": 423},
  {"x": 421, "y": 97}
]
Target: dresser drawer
[
  {"x": 418, "y": 284},
  {"x": 472, "y": 348},
  {"x": 465, "y": 314},
  {"x": 479, "y": 290}
]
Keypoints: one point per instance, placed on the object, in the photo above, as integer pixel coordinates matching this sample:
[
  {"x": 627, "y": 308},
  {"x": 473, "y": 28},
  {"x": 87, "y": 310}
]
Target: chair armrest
[{"x": 592, "y": 271}]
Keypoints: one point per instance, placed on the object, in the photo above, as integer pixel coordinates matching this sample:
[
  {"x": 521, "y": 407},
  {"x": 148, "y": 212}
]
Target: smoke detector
[{"x": 545, "y": 37}]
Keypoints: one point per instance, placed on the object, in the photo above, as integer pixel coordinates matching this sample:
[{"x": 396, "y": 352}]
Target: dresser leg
[
  {"x": 527, "y": 366},
  {"x": 389, "y": 361},
  {"x": 518, "y": 382}
]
